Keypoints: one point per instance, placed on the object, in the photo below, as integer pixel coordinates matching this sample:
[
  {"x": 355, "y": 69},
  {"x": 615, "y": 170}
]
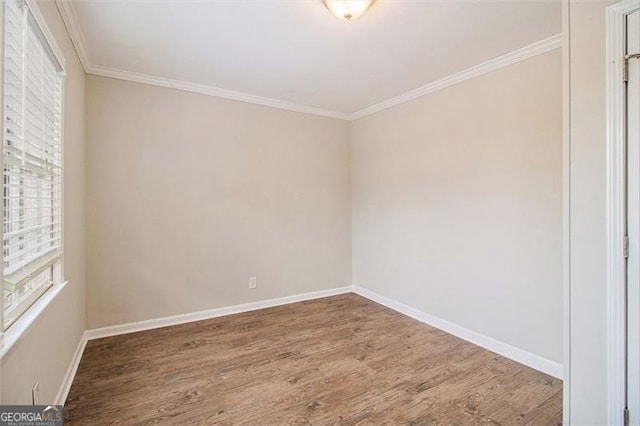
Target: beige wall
[
  {"x": 588, "y": 213},
  {"x": 44, "y": 354},
  {"x": 190, "y": 195},
  {"x": 457, "y": 204}
]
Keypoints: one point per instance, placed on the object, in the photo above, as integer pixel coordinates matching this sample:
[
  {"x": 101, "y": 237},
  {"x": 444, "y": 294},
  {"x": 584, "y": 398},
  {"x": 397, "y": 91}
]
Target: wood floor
[{"x": 339, "y": 360}]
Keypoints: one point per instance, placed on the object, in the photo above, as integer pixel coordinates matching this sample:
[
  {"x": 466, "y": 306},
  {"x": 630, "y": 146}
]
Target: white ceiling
[{"x": 298, "y": 52}]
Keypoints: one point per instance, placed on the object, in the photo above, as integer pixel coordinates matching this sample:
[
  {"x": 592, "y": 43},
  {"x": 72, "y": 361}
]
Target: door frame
[
  {"x": 616, "y": 262},
  {"x": 566, "y": 213}
]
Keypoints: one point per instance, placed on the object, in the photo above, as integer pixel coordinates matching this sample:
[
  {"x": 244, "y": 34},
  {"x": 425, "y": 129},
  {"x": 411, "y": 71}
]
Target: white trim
[
  {"x": 534, "y": 49},
  {"x": 534, "y": 361},
  {"x": 566, "y": 214},
  {"x": 615, "y": 51},
  {"x": 16, "y": 331},
  {"x": 2, "y": 77},
  {"x": 69, "y": 16},
  {"x": 211, "y": 91},
  {"x": 115, "y": 330},
  {"x": 519, "y": 355},
  {"x": 63, "y": 392},
  {"x": 42, "y": 23},
  {"x": 70, "y": 19},
  {"x": 511, "y": 58},
  {"x": 98, "y": 333}
]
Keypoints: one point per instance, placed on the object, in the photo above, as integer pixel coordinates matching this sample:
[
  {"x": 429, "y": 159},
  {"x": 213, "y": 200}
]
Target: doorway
[{"x": 623, "y": 254}]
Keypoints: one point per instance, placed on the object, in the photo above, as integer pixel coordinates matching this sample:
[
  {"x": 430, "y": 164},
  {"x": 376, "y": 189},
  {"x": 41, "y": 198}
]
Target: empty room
[{"x": 320, "y": 212}]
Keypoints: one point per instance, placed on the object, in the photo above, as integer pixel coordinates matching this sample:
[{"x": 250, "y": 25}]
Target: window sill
[{"x": 22, "y": 325}]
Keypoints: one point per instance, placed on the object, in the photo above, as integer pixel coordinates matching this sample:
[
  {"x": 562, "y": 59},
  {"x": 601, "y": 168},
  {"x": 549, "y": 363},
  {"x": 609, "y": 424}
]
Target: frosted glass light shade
[{"x": 348, "y": 9}]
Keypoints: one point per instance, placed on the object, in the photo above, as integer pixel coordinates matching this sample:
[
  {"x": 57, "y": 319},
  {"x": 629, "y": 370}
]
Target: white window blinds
[{"x": 32, "y": 156}]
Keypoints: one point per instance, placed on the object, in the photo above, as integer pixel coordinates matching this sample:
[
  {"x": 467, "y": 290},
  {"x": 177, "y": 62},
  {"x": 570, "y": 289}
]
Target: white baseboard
[
  {"x": 115, "y": 330},
  {"x": 132, "y": 327},
  {"x": 519, "y": 355},
  {"x": 71, "y": 371},
  {"x": 531, "y": 360}
]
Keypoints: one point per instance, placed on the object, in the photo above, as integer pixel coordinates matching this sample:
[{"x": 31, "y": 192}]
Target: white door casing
[
  {"x": 633, "y": 217},
  {"x": 617, "y": 224}
]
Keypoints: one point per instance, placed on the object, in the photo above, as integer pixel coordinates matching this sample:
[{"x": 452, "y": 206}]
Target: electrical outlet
[
  {"x": 35, "y": 393},
  {"x": 253, "y": 282}
]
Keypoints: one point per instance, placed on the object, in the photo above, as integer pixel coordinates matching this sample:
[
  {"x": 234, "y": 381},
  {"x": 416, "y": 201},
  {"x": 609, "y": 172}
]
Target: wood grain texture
[{"x": 338, "y": 360}]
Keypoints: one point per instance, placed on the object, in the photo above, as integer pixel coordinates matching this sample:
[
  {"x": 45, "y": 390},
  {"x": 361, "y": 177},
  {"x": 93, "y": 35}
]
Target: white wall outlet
[
  {"x": 35, "y": 394},
  {"x": 253, "y": 283}
]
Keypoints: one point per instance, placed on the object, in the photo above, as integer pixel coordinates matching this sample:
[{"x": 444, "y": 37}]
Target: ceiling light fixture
[{"x": 348, "y": 9}]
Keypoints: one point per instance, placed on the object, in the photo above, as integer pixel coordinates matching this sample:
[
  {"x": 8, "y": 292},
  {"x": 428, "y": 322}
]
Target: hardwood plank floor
[{"x": 338, "y": 360}]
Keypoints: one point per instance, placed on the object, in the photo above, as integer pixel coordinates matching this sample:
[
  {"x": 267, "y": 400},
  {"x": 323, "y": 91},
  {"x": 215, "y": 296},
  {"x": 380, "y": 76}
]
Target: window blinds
[{"x": 32, "y": 155}]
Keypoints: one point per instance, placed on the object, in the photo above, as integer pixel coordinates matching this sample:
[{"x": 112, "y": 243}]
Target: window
[{"x": 32, "y": 162}]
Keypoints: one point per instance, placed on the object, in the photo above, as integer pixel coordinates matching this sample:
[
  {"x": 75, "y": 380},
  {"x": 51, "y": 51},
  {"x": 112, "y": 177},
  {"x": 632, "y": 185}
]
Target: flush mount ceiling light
[{"x": 348, "y": 9}]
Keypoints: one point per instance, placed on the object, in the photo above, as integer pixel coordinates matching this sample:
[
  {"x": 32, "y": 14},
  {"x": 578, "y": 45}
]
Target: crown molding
[
  {"x": 212, "y": 91},
  {"x": 68, "y": 13},
  {"x": 70, "y": 19},
  {"x": 534, "y": 49}
]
